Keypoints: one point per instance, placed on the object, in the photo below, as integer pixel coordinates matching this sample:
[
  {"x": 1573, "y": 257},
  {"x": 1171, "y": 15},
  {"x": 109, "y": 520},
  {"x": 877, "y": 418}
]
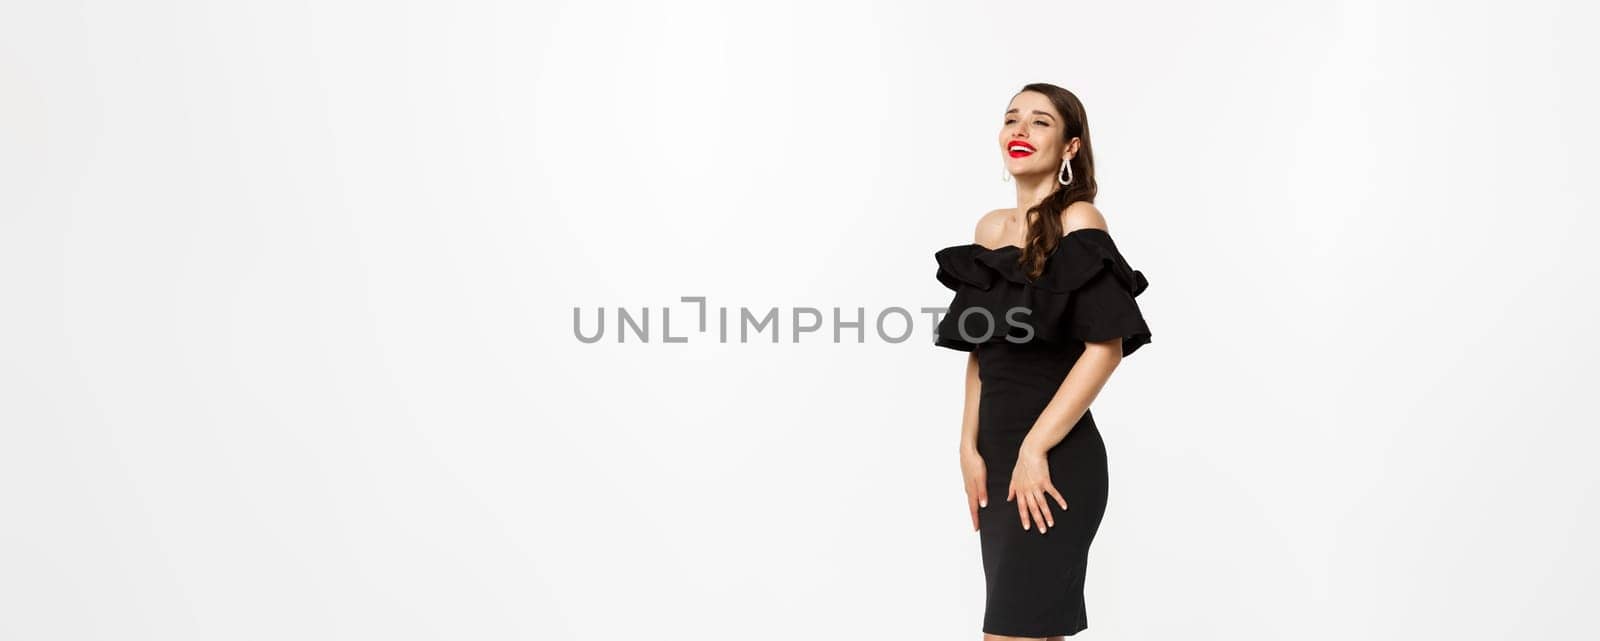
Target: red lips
[{"x": 1018, "y": 153}]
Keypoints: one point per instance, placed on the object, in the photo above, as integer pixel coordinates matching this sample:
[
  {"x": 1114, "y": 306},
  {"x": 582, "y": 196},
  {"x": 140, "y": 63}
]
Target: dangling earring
[
  {"x": 1005, "y": 172},
  {"x": 1066, "y": 165}
]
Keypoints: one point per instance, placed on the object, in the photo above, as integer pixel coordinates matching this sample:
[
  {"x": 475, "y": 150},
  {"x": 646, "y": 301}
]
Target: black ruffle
[{"x": 1086, "y": 293}]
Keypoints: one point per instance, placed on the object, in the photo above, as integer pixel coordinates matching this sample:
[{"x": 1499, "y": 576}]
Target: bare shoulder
[
  {"x": 1082, "y": 215},
  {"x": 992, "y": 228}
]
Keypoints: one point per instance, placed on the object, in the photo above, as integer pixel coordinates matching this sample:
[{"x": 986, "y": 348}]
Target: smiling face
[{"x": 1030, "y": 140}]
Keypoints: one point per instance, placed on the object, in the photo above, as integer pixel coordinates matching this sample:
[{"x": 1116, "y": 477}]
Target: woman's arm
[
  {"x": 1031, "y": 486},
  {"x": 986, "y": 233},
  {"x": 974, "y": 473},
  {"x": 969, "y": 411},
  {"x": 1088, "y": 375},
  {"x": 1030, "y": 479},
  {"x": 1082, "y": 384}
]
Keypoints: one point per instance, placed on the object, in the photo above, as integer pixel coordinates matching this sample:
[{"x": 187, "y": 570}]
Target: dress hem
[{"x": 1029, "y": 635}]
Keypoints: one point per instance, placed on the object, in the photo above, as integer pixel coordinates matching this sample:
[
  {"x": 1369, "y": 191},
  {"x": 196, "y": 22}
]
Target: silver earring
[
  {"x": 1066, "y": 165},
  {"x": 1005, "y": 172}
]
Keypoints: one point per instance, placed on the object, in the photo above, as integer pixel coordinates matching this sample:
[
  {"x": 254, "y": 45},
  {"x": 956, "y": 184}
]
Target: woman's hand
[
  {"x": 976, "y": 476},
  {"x": 1030, "y": 484}
]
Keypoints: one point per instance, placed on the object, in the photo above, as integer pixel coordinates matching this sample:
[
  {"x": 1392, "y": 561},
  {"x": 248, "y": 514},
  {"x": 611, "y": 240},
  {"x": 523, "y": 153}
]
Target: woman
[{"x": 1044, "y": 303}]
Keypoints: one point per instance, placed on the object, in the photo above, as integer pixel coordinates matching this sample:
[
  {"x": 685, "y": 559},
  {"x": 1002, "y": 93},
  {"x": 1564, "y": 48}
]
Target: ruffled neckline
[{"x": 1079, "y": 256}]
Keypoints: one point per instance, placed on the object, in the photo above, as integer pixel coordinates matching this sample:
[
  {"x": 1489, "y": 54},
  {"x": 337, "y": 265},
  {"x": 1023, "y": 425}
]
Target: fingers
[
  {"x": 1033, "y": 507},
  {"x": 1041, "y": 511},
  {"x": 1059, "y": 499},
  {"x": 1022, "y": 510},
  {"x": 972, "y": 508},
  {"x": 977, "y": 497}
]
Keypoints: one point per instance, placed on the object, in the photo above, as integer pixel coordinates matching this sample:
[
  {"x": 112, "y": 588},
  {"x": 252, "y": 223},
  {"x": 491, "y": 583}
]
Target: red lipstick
[{"x": 1026, "y": 149}]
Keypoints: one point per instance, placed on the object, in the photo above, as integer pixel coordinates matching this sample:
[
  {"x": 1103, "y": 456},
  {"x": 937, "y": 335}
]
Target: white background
[{"x": 288, "y": 296}]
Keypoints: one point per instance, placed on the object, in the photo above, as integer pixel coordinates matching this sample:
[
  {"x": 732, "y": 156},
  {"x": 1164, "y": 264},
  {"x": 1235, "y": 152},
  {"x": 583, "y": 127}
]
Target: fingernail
[{"x": 983, "y": 503}]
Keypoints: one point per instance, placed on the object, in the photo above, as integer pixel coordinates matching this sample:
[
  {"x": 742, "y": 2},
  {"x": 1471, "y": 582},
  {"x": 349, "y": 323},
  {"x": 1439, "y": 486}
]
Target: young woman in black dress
[{"x": 1044, "y": 303}]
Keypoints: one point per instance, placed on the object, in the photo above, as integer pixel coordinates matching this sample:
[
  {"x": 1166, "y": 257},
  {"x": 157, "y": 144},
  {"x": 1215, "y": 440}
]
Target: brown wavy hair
[{"x": 1044, "y": 230}]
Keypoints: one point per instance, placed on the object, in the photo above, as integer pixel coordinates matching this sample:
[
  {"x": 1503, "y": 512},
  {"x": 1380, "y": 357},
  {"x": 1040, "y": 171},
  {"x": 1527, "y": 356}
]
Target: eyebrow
[{"x": 1042, "y": 113}]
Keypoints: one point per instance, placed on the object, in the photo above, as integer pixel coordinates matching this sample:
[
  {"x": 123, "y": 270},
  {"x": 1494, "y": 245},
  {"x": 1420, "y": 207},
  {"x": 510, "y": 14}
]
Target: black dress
[{"x": 1086, "y": 293}]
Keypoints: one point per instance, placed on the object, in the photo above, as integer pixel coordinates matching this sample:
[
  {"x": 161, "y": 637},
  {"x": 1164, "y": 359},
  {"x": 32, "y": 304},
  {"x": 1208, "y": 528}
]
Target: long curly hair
[{"x": 1044, "y": 219}]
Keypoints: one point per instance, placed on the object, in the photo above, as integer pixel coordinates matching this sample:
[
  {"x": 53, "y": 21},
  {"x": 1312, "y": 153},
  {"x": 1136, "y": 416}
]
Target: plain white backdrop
[{"x": 288, "y": 295}]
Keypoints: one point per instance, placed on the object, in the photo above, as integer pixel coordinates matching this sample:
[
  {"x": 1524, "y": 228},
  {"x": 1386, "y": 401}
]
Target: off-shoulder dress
[{"x": 1027, "y": 334}]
